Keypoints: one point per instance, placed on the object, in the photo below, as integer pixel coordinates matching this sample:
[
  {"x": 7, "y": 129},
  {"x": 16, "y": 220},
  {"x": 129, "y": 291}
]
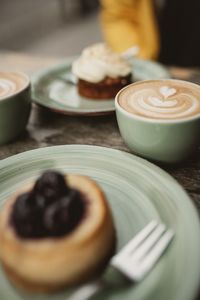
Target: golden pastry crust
[{"x": 51, "y": 263}]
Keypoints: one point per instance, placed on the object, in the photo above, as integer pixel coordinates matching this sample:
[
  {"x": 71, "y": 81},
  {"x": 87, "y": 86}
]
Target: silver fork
[{"x": 135, "y": 259}]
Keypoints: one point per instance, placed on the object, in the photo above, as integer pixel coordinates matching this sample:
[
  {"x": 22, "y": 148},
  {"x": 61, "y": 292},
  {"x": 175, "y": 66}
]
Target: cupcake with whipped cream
[{"x": 101, "y": 72}]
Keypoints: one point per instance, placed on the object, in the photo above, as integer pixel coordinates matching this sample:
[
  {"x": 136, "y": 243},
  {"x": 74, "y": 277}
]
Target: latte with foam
[
  {"x": 161, "y": 99},
  {"x": 11, "y": 83}
]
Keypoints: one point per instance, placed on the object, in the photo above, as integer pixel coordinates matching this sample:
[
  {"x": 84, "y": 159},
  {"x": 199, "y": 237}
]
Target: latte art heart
[
  {"x": 167, "y": 91},
  {"x": 161, "y": 101}
]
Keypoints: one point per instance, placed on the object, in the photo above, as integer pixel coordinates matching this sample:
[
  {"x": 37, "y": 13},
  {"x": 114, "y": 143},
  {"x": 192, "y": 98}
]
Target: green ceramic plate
[
  {"x": 49, "y": 90},
  {"x": 137, "y": 192}
]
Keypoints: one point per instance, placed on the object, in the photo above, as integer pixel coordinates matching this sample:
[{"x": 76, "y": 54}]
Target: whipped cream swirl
[
  {"x": 163, "y": 102},
  {"x": 98, "y": 62}
]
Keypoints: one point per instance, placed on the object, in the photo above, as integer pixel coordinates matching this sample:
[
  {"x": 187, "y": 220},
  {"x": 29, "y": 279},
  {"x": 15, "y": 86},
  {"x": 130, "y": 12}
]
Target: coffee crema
[
  {"x": 11, "y": 83},
  {"x": 161, "y": 99}
]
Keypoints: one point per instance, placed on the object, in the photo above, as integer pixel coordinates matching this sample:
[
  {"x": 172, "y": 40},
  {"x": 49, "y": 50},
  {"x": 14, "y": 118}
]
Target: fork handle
[{"x": 85, "y": 292}]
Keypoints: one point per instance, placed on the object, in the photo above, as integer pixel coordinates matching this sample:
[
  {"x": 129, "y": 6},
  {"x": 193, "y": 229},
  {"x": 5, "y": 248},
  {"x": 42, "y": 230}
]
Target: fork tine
[
  {"x": 137, "y": 240},
  {"x": 135, "y": 270},
  {"x": 152, "y": 257},
  {"x": 148, "y": 243}
]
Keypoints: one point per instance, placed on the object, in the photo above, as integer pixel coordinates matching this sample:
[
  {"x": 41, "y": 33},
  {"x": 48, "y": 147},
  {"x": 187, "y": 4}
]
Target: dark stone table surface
[{"x": 46, "y": 128}]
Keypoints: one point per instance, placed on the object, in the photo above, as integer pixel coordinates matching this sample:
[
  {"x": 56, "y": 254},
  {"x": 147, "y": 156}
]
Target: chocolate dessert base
[
  {"x": 39, "y": 287},
  {"x": 105, "y": 89}
]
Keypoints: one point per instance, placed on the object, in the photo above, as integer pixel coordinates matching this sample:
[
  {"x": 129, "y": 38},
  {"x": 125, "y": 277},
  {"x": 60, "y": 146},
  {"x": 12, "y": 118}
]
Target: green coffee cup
[
  {"x": 15, "y": 105},
  {"x": 160, "y": 119}
]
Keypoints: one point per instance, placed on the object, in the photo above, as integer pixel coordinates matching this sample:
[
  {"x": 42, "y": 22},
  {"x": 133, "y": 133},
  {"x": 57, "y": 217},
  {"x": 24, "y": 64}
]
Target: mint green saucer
[
  {"x": 137, "y": 192},
  {"x": 49, "y": 88}
]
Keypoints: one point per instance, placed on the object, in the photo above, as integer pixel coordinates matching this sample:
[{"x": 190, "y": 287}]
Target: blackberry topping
[
  {"x": 51, "y": 209},
  {"x": 75, "y": 207},
  {"x": 51, "y": 185},
  {"x": 66, "y": 211},
  {"x": 26, "y": 216}
]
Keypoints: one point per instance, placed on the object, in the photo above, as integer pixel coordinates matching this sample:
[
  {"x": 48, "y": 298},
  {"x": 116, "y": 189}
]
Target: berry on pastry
[{"x": 56, "y": 232}]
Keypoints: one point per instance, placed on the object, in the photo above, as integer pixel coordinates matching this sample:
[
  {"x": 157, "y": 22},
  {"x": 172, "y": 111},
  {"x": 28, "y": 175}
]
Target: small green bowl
[{"x": 15, "y": 110}]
